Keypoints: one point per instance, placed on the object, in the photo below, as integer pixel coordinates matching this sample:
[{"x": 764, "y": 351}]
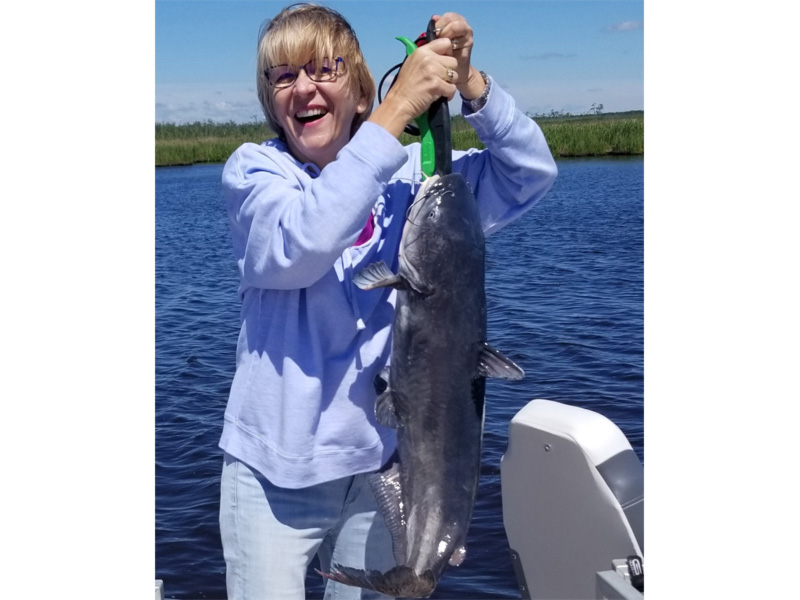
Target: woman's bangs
[{"x": 299, "y": 48}]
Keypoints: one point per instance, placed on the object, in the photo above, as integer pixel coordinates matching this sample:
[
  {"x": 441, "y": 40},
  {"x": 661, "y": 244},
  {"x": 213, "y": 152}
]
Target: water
[{"x": 565, "y": 299}]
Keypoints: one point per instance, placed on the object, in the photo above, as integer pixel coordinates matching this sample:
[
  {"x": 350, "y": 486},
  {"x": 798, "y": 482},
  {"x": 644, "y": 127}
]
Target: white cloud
[
  {"x": 187, "y": 103},
  {"x": 627, "y": 26}
]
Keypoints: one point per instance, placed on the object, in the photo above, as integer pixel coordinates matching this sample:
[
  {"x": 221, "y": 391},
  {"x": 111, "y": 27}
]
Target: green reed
[
  {"x": 595, "y": 135},
  {"x": 206, "y": 141}
]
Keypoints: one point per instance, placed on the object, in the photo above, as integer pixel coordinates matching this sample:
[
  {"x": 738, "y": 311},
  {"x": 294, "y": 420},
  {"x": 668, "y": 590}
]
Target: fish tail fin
[{"x": 402, "y": 581}]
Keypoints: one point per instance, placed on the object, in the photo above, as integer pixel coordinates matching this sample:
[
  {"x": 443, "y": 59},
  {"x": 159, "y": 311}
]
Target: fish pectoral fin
[
  {"x": 389, "y": 495},
  {"x": 381, "y": 381},
  {"x": 384, "y": 409},
  {"x": 492, "y": 363},
  {"x": 377, "y": 275}
]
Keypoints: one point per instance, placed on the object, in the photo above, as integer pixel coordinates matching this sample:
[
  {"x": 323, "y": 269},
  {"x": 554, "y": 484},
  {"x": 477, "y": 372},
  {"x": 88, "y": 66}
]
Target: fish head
[{"x": 442, "y": 230}]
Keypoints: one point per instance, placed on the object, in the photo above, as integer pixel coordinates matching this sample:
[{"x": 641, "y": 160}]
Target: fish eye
[{"x": 434, "y": 214}]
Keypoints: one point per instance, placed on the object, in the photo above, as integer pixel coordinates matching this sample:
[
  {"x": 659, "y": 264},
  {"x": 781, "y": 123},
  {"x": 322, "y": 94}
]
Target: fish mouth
[
  {"x": 422, "y": 198},
  {"x": 411, "y": 234},
  {"x": 415, "y": 209},
  {"x": 310, "y": 115}
]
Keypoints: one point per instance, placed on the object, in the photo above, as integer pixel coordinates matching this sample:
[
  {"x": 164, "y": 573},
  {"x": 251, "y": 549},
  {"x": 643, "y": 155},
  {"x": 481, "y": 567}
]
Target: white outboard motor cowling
[{"x": 573, "y": 500}]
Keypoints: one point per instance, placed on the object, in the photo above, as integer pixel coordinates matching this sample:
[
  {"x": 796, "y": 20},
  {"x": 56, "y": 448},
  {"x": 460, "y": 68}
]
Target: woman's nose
[{"x": 303, "y": 84}]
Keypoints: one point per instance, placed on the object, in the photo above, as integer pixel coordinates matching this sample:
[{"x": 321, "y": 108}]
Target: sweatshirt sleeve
[
  {"x": 288, "y": 227},
  {"x": 515, "y": 171}
]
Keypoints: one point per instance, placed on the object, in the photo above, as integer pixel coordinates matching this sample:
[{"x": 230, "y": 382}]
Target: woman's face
[{"x": 317, "y": 116}]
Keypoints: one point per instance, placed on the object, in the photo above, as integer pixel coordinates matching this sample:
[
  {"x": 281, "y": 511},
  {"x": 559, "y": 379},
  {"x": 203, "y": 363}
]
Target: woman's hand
[
  {"x": 455, "y": 28},
  {"x": 429, "y": 73},
  {"x": 438, "y": 69}
]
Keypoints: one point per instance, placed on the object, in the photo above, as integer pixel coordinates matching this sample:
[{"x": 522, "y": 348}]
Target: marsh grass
[
  {"x": 207, "y": 141},
  {"x": 595, "y": 135},
  {"x": 594, "y": 138}
]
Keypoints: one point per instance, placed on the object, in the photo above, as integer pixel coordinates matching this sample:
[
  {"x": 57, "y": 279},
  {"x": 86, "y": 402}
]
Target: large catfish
[{"x": 435, "y": 392}]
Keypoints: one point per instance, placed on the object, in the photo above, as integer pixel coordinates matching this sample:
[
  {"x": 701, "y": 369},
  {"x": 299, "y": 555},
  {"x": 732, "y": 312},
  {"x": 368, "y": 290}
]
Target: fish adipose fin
[
  {"x": 458, "y": 556},
  {"x": 492, "y": 363},
  {"x": 377, "y": 275},
  {"x": 397, "y": 582}
]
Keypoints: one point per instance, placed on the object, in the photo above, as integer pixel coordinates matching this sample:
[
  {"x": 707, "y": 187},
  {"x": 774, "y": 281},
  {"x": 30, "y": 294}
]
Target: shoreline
[{"x": 568, "y": 136}]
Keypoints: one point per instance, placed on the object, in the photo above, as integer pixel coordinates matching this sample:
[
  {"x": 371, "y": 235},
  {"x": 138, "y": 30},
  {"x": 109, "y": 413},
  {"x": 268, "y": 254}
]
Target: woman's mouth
[{"x": 309, "y": 115}]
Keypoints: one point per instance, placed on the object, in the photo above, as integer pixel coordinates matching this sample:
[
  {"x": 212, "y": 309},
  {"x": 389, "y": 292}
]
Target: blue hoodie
[{"x": 301, "y": 405}]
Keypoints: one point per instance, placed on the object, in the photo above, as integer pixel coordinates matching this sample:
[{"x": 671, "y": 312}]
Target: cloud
[
  {"x": 546, "y": 56},
  {"x": 217, "y": 102},
  {"x": 627, "y": 26},
  {"x": 218, "y": 111}
]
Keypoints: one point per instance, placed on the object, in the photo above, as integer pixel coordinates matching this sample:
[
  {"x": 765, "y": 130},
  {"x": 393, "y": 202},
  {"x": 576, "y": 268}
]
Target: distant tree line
[{"x": 596, "y": 110}]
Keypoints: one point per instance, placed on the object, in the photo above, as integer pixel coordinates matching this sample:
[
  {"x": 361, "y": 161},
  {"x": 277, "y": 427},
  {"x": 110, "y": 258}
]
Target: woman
[{"x": 300, "y": 435}]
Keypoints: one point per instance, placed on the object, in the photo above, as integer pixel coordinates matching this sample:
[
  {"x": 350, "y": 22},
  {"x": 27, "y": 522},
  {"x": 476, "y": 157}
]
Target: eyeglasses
[{"x": 281, "y": 76}]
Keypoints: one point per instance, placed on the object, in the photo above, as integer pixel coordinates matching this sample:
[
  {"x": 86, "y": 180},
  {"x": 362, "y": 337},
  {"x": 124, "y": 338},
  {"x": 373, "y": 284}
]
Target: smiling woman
[
  {"x": 313, "y": 102},
  {"x": 307, "y": 211},
  {"x": 315, "y": 109}
]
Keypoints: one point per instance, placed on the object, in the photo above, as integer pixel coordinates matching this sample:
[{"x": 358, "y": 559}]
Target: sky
[
  {"x": 82, "y": 81},
  {"x": 550, "y": 55}
]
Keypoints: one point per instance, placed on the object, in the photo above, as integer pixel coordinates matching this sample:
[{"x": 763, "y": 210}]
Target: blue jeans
[{"x": 271, "y": 534}]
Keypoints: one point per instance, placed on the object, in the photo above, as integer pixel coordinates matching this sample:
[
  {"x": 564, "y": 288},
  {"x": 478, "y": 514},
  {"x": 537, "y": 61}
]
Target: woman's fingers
[
  {"x": 427, "y": 74},
  {"x": 455, "y": 28}
]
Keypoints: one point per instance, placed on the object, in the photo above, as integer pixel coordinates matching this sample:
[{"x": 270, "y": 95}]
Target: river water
[{"x": 565, "y": 289}]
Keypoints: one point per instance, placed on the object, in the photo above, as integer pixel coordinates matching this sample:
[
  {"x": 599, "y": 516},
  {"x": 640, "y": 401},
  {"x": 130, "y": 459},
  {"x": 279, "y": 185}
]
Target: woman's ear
[{"x": 361, "y": 107}]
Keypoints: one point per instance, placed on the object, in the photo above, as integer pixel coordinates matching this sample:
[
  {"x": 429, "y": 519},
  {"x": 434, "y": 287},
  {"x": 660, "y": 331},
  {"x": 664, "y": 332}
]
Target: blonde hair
[{"x": 302, "y": 31}]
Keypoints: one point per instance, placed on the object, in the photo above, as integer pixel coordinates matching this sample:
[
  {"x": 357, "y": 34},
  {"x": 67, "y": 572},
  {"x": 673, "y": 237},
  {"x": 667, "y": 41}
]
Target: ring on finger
[
  {"x": 450, "y": 74},
  {"x": 455, "y": 43}
]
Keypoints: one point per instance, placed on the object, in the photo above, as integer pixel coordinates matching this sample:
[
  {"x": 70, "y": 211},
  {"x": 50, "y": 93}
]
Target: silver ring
[
  {"x": 450, "y": 74},
  {"x": 455, "y": 44}
]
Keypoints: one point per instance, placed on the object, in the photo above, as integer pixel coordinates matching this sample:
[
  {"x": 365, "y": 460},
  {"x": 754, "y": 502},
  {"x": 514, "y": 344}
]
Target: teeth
[{"x": 311, "y": 112}]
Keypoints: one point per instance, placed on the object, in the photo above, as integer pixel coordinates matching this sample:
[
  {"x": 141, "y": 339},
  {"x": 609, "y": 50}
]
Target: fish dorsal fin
[
  {"x": 492, "y": 363},
  {"x": 389, "y": 494},
  {"x": 377, "y": 275}
]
